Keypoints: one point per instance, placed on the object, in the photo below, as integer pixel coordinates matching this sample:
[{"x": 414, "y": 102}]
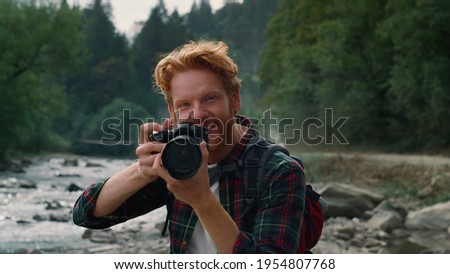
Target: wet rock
[
  {"x": 70, "y": 162},
  {"x": 398, "y": 207},
  {"x": 14, "y": 183},
  {"x": 357, "y": 241},
  {"x": 382, "y": 235},
  {"x": 413, "y": 244},
  {"x": 23, "y": 222},
  {"x": 17, "y": 165},
  {"x": 26, "y": 184},
  {"x": 16, "y": 169},
  {"x": 349, "y": 201},
  {"x": 159, "y": 247},
  {"x": 3, "y": 217},
  {"x": 40, "y": 218},
  {"x": 100, "y": 236},
  {"x": 373, "y": 232},
  {"x": 53, "y": 205},
  {"x": 346, "y": 232},
  {"x": 105, "y": 249},
  {"x": 436, "y": 217},
  {"x": 92, "y": 164},
  {"x": 37, "y": 251},
  {"x": 73, "y": 187},
  {"x": 400, "y": 233},
  {"x": 438, "y": 183},
  {"x": 444, "y": 251},
  {"x": 7, "y": 183},
  {"x": 385, "y": 220},
  {"x": 59, "y": 174},
  {"x": 430, "y": 240},
  {"x": 371, "y": 243},
  {"x": 62, "y": 218},
  {"x": 160, "y": 226}
]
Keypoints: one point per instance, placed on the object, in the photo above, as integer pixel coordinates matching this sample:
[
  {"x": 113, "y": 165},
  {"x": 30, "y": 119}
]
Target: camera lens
[{"x": 182, "y": 157}]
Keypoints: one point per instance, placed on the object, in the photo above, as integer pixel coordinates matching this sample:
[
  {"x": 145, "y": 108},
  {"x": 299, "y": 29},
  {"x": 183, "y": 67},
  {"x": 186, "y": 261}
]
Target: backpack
[{"x": 256, "y": 155}]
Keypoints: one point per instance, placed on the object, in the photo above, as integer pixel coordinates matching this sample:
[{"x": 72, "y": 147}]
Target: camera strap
[
  {"x": 238, "y": 166},
  {"x": 217, "y": 171},
  {"x": 247, "y": 166}
]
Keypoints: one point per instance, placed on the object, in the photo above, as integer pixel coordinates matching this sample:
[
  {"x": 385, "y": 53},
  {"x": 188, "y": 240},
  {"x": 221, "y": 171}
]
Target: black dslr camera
[{"x": 181, "y": 155}]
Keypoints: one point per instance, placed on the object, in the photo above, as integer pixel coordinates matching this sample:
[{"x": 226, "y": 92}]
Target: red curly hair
[{"x": 210, "y": 55}]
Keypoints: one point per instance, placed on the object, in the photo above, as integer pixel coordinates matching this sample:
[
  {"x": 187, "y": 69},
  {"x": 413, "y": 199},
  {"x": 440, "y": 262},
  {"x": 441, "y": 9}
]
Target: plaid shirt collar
[
  {"x": 283, "y": 209},
  {"x": 183, "y": 218},
  {"x": 239, "y": 148}
]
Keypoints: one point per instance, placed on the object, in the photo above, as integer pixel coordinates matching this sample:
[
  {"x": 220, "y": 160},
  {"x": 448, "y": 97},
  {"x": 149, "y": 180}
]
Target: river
[{"x": 36, "y": 206}]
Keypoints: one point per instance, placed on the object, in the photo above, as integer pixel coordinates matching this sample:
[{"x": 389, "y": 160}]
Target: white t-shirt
[{"x": 201, "y": 242}]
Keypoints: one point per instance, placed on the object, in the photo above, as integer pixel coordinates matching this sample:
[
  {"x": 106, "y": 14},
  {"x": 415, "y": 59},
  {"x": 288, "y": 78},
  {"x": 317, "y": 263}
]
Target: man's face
[{"x": 200, "y": 97}]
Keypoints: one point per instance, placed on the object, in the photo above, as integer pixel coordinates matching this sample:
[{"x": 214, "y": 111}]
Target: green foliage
[
  {"x": 113, "y": 130},
  {"x": 397, "y": 188},
  {"x": 102, "y": 40},
  {"x": 200, "y": 21},
  {"x": 61, "y": 67},
  {"x": 242, "y": 27},
  {"x": 156, "y": 38},
  {"x": 383, "y": 64},
  {"x": 106, "y": 73},
  {"x": 38, "y": 46},
  {"x": 420, "y": 86},
  {"x": 353, "y": 63},
  {"x": 287, "y": 70}
]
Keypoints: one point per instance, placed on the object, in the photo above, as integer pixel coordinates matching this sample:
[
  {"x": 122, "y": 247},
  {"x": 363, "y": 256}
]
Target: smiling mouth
[{"x": 207, "y": 125}]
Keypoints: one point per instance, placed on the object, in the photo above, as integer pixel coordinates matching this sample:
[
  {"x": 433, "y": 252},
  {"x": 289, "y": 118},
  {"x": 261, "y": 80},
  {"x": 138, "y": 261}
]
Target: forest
[{"x": 71, "y": 82}]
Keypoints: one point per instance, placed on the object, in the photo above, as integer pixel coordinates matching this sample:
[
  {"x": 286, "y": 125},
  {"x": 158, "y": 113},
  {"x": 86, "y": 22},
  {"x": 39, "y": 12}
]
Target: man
[{"x": 200, "y": 84}]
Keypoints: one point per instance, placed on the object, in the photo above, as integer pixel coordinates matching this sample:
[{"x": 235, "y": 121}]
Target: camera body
[{"x": 181, "y": 155}]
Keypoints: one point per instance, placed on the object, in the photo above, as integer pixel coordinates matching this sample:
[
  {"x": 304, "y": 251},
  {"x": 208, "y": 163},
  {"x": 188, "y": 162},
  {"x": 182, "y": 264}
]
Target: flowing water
[{"x": 36, "y": 206}]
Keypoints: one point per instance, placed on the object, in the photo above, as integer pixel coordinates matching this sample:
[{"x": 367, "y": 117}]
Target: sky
[{"x": 126, "y": 12}]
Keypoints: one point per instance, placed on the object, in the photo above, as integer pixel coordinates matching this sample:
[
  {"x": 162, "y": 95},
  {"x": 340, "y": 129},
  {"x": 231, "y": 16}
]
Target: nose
[{"x": 198, "y": 114}]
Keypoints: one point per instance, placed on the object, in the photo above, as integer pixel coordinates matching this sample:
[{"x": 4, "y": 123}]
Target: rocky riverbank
[
  {"x": 36, "y": 200},
  {"x": 37, "y": 195},
  {"x": 363, "y": 221}
]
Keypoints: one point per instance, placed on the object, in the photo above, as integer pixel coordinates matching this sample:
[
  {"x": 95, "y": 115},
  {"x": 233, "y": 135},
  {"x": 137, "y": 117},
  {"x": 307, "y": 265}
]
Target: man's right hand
[
  {"x": 147, "y": 150},
  {"x": 128, "y": 181}
]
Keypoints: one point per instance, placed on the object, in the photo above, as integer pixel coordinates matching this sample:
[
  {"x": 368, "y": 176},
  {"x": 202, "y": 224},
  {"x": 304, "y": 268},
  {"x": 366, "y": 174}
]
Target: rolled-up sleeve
[{"x": 150, "y": 197}]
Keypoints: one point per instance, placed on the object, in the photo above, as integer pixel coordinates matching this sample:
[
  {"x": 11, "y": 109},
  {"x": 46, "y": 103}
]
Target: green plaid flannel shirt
[{"x": 275, "y": 227}]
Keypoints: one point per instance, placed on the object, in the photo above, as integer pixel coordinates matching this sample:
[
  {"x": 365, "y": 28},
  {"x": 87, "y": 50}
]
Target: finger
[
  {"x": 146, "y": 129},
  {"x": 149, "y": 149},
  {"x": 204, "y": 151},
  {"x": 167, "y": 124},
  {"x": 158, "y": 167}
]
